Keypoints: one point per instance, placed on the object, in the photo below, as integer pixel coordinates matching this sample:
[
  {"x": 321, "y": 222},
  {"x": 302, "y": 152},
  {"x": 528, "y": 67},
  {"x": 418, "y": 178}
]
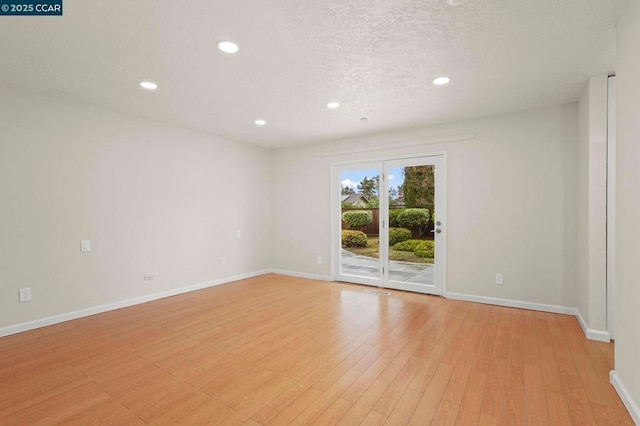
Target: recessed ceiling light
[
  {"x": 149, "y": 85},
  {"x": 228, "y": 46},
  {"x": 260, "y": 122},
  {"x": 441, "y": 81},
  {"x": 454, "y": 3},
  {"x": 333, "y": 105}
]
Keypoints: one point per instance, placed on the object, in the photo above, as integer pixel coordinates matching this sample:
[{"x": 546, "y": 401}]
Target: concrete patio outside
[{"x": 363, "y": 266}]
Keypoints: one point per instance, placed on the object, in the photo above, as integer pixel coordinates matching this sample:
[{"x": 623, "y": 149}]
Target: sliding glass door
[{"x": 390, "y": 224}]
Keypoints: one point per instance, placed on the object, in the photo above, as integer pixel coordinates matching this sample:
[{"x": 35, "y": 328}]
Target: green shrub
[
  {"x": 422, "y": 248},
  {"x": 397, "y": 235},
  {"x": 408, "y": 245},
  {"x": 393, "y": 218},
  {"x": 408, "y": 218},
  {"x": 425, "y": 250},
  {"x": 415, "y": 219},
  {"x": 357, "y": 219},
  {"x": 354, "y": 239}
]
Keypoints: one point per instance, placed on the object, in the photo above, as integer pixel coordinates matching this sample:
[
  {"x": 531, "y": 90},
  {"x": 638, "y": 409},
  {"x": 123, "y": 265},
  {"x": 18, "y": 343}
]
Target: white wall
[
  {"x": 628, "y": 202},
  {"x": 511, "y": 202},
  {"x": 152, "y": 198},
  {"x": 591, "y": 285}
]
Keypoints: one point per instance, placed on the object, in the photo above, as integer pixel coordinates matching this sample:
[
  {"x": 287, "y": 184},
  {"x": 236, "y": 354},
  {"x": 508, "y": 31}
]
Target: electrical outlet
[
  {"x": 24, "y": 295},
  {"x": 148, "y": 277},
  {"x": 499, "y": 279},
  {"x": 237, "y": 233},
  {"x": 319, "y": 260},
  {"x": 223, "y": 261}
]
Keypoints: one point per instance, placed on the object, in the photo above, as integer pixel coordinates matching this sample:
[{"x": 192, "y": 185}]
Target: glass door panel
[
  {"x": 413, "y": 253},
  {"x": 359, "y": 222}
]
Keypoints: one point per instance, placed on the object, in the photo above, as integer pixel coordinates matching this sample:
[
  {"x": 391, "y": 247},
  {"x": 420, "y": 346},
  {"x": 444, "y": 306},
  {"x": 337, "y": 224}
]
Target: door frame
[{"x": 379, "y": 162}]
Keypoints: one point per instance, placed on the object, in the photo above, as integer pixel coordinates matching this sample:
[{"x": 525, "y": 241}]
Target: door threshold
[{"x": 378, "y": 292}]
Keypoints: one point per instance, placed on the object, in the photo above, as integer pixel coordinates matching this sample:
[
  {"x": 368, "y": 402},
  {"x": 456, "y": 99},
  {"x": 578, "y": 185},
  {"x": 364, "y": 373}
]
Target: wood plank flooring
[{"x": 283, "y": 350}]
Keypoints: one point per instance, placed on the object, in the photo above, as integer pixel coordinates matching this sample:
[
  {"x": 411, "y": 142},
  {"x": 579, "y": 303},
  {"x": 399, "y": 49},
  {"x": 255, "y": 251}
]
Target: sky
[{"x": 353, "y": 178}]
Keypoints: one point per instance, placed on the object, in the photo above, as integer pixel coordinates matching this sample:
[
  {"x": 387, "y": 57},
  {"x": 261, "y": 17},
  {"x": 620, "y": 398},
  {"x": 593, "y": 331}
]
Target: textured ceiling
[{"x": 377, "y": 58}]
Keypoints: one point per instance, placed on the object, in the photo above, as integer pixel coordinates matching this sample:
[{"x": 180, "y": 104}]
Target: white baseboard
[
  {"x": 599, "y": 335},
  {"x": 556, "y": 309},
  {"x": 55, "y": 319},
  {"x": 301, "y": 274},
  {"x": 625, "y": 396}
]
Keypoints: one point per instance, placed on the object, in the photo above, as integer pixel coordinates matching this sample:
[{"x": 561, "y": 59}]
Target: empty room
[{"x": 333, "y": 212}]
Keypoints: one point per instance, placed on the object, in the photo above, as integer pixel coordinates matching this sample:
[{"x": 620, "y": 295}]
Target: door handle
[{"x": 437, "y": 230}]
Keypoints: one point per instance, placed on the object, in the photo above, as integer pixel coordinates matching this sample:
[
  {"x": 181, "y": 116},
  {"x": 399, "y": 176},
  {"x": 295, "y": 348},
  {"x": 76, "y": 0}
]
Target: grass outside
[{"x": 371, "y": 250}]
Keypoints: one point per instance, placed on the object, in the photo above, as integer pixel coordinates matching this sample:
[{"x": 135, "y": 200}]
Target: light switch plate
[{"x": 85, "y": 245}]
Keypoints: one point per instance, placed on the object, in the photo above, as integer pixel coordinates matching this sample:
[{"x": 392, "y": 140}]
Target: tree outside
[
  {"x": 418, "y": 188},
  {"x": 369, "y": 187}
]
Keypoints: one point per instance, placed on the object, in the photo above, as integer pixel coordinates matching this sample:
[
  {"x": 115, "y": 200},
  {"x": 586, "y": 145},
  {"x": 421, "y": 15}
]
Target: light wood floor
[{"x": 283, "y": 350}]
